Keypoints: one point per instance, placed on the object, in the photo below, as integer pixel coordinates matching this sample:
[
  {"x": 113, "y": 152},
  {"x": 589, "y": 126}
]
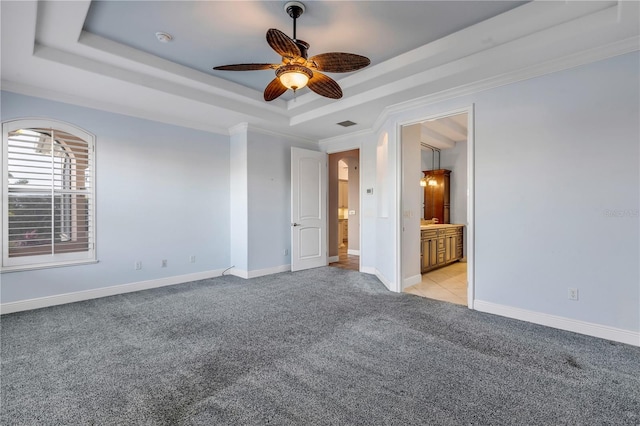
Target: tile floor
[
  {"x": 448, "y": 284},
  {"x": 347, "y": 261}
]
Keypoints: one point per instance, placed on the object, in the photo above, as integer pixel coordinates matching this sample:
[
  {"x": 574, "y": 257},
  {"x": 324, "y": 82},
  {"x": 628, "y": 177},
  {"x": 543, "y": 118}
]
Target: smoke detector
[{"x": 164, "y": 37}]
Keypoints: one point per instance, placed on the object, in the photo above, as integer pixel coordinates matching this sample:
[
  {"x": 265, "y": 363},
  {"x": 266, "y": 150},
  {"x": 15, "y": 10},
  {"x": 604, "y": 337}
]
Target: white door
[{"x": 308, "y": 209}]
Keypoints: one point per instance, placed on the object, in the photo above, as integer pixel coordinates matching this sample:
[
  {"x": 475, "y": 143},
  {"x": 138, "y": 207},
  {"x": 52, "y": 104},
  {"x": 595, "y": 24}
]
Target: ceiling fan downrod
[{"x": 294, "y": 9}]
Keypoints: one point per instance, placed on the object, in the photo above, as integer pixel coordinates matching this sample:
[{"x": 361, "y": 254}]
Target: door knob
[{"x": 295, "y": 224}]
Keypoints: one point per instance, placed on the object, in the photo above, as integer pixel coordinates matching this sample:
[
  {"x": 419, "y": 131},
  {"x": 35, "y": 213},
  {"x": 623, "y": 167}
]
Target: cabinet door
[
  {"x": 429, "y": 254},
  {"x": 424, "y": 254},
  {"x": 459, "y": 244},
  {"x": 433, "y": 253},
  {"x": 450, "y": 248}
]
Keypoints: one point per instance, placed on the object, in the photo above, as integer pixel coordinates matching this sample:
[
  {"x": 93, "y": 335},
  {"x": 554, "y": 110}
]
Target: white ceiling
[
  {"x": 445, "y": 132},
  {"x": 105, "y": 55}
]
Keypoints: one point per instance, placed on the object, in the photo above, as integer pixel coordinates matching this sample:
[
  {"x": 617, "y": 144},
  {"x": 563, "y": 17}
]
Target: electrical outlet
[
  {"x": 138, "y": 265},
  {"x": 286, "y": 252},
  {"x": 573, "y": 294},
  {"x": 192, "y": 259},
  {"x": 164, "y": 263}
]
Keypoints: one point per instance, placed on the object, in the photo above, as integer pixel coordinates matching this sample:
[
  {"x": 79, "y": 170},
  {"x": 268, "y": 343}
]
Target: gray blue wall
[
  {"x": 162, "y": 193},
  {"x": 557, "y": 188}
]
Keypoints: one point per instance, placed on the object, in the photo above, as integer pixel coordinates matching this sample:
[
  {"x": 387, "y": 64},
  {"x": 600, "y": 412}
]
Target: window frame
[{"x": 50, "y": 260}]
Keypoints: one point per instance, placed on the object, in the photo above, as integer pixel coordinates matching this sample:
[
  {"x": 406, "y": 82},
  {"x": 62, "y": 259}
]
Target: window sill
[{"x": 23, "y": 268}]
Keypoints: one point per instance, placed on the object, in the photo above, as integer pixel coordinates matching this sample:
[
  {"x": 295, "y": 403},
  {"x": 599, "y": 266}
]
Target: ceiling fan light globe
[
  {"x": 294, "y": 76},
  {"x": 294, "y": 80}
]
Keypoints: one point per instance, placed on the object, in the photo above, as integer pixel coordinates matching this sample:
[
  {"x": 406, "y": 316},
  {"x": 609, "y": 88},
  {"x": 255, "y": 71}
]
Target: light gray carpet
[{"x": 319, "y": 347}]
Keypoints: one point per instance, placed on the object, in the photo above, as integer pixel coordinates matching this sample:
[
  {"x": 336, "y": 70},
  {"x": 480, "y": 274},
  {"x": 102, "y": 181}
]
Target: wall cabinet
[
  {"x": 440, "y": 246},
  {"x": 437, "y": 198}
]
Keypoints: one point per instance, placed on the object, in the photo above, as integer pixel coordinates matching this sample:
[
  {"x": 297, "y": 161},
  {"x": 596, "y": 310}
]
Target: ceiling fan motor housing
[{"x": 294, "y": 9}]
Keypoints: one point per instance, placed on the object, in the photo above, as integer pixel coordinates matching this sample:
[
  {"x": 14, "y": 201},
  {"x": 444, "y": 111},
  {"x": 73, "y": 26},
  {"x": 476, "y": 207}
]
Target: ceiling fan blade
[
  {"x": 283, "y": 44},
  {"x": 274, "y": 89},
  {"x": 246, "y": 67},
  {"x": 338, "y": 62},
  {"x": 324, "y": 85}
]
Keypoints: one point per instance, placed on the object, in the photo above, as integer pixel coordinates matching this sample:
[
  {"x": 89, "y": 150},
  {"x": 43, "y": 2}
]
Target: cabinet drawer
[
  {"x": 440, "y": 258},
  {"x": 427, "y": 235},
  {"x": 451, "y": 231},
  {"x": 440, "y": 244}
]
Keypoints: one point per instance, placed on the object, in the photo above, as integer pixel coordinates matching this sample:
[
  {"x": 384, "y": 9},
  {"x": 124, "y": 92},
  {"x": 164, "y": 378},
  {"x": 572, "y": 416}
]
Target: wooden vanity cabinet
[
  {"x": 440, "y": 247},
  {"x": 437, "y": 198},
  {"x": 429, "y": 249}
]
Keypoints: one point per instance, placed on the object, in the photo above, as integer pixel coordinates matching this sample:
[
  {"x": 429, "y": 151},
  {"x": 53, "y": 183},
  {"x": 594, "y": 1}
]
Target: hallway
[{"x": 346, "y": 261}]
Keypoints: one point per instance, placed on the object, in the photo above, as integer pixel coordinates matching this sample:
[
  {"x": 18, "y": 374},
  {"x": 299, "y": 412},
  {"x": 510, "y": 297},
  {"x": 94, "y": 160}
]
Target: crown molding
[
  {"x": 295, "y": 138},
  {"x": 238, "y": 129},
  {"x": 329, "y": 141},
  {"x": 39, "y": 92}
]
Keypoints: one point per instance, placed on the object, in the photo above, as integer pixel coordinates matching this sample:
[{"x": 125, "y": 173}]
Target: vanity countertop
[{"x": 439, "y": 226}]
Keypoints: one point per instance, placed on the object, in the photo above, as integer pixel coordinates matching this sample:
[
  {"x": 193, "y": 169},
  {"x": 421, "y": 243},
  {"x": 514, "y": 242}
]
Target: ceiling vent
[{"x": 346, "y": 123}]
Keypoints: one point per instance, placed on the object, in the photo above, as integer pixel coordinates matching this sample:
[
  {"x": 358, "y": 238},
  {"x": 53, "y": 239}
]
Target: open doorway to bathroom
[
  {"x": 344, "y": 209},
  {"x": 440, "y": 194}
]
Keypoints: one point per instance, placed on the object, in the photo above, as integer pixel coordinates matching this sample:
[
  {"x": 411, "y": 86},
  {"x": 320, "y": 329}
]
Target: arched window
[{"x": 47, "y": 194}]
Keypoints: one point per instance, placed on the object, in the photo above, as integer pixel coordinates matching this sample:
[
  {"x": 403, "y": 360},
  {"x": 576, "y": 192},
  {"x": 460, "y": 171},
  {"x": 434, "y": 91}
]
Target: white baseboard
[
  {"x": 61, "y": 299},
  {"x": 408, "y": 282},
  {"x": 562, "y": 323},
  {"x": 259, "y": 272},
  {"x": 388, "y": 284},
  {"x": 332, "y": 259},
  {"x": 368, "y": 270},
  {"x": 353, "y": 252}
]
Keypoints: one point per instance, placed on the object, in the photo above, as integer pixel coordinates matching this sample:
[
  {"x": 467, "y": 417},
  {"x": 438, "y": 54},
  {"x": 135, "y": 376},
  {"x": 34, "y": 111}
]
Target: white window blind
[{"x": 48, "y": 197}]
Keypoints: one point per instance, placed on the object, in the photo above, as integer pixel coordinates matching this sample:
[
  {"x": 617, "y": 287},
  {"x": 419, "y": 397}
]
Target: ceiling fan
[{"x": 297, "y": 70}]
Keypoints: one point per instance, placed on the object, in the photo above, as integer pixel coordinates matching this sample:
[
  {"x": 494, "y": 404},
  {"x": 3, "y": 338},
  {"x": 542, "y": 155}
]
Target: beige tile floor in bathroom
[{"x": 448, "y": 284}]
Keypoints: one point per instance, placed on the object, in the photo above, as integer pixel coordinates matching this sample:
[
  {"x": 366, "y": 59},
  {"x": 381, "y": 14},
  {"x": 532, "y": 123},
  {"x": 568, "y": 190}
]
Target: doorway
[
  {"x": 344, "y": 209},
  {"x": 437, "y": 198}
]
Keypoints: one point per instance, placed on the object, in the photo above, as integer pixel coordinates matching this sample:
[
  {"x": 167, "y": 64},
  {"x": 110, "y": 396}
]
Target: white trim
[
  {"x": 239, "y": 129},
  {"x": 259, "y": 272},
  {"x": 590, "y": 329},
  {"x": 55, "y": 96},
  {"x": 399, "y": 178},
  {"x": 388, "y": 284},
  {"x": 408, "y": 282},
  {"x": 471, "y": 206},
  {"x": 61, "y": 299},
  {"x": 47, "y": 260},
  {"x": 353, "y": 252},
  {"x": 239, "y": 273},
  {"x": 300, "y": 139},
  {"x": 341, "y": 143},
  {"x": 34, "y": 267},
  {"x": 333, "y": 259},
  {"x": 470, "y": 111},
  {"x": 368, "y": 270}
]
